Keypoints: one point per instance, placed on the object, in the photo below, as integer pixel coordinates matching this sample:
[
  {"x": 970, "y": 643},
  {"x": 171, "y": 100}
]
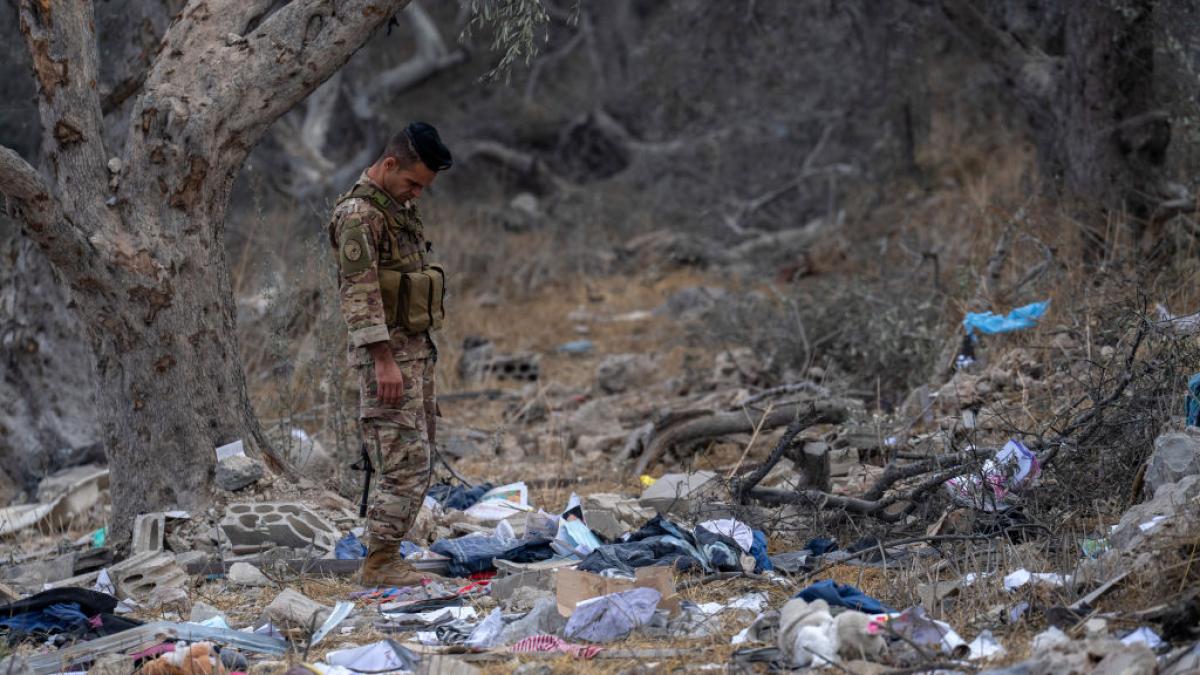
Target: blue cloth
[
  {"x": 821, "y": 545},
  {"x": 758, "y": 549},
  {"x": 843, "y": 595},
  {"x": 1020, "y": 318},
  {"x": 476, "y": 552},
  {"x": 60, "y": 618},
  {"x": 349, "y": 548},
  {"x": 1193, "y": 401},
  {"x": 661, "y": 542}
]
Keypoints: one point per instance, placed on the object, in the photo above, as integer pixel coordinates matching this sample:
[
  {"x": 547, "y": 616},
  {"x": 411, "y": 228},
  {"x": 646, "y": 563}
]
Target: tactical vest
[{"x": 413, "y": 291}]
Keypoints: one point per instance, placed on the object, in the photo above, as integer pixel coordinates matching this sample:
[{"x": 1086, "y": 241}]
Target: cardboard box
[{"x": 575, "y": 586}]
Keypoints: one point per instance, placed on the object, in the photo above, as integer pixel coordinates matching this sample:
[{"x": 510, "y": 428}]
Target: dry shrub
[{"x": 877, "y": 338}]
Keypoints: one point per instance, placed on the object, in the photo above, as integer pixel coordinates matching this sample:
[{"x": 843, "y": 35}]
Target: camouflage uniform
[{"x": 367, "y": 232}]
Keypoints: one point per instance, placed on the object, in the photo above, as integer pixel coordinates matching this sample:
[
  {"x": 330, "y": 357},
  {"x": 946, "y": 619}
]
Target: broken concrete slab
[
  {"x": 613, "y": 515},
  {"x": 63, "y": 496},
  {"x": 245, "y": 574},
  {"x": 237, "y": 472},
  {"x": 679, "y": 492},
  {"x": 293, "y": 609},
  {"x": 251, "y": 528}
]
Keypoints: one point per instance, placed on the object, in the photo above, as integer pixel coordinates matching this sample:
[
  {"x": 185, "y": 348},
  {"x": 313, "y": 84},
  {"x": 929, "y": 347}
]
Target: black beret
[{"x": 429, "y": 146}]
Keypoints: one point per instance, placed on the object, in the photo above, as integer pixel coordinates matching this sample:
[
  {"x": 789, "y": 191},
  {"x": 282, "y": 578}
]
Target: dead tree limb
[
  {"x": 795, "y": 387},
  {"x": 725, "y": 423}
]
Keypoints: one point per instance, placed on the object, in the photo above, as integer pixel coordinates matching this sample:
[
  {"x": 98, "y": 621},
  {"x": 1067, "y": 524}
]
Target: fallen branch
[{"x": 725, "y": 423}]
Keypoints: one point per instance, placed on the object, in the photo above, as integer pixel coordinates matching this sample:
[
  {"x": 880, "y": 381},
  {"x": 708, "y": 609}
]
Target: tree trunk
[
  {"x": 1083, "y": 72},
  {"x": 138, "y": 235}
]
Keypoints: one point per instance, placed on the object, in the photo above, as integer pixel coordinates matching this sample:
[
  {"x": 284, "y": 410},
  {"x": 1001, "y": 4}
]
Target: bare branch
[
  {"x": 19, "y": 180},
  {"x": 236, "y": 86},
  {"x": 725, "y": 423}
]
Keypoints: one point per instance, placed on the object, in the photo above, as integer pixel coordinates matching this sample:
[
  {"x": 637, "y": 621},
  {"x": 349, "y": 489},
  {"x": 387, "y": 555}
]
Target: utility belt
[{"x": 414, "y": 301}]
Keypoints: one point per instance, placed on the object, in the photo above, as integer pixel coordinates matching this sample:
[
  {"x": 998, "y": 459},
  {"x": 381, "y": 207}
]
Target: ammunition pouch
[{"x": 414, "y": 301}]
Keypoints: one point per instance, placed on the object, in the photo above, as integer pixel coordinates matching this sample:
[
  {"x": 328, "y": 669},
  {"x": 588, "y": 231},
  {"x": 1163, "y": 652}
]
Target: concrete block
[
  {"x": 148, "y": 530},
  {"x": 251, "y": 528},
  {"x": 146, "y": 576}
]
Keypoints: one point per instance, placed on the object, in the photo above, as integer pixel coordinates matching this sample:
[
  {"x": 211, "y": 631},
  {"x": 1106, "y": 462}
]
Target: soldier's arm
[{"x": 358, "y": 236}]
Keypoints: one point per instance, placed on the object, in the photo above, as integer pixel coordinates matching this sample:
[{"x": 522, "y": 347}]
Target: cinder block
[
  {"x": 251, "y": 528},
  {"x": 147, "y": 575},
  {"x": 148, "y": 531}
]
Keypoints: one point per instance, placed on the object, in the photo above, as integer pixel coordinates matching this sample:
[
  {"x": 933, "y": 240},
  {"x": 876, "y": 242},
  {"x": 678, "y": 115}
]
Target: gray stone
[
  {"x": 678, "y": 493},
  {"x": 1170, "y": 500},
  {"x": 292, "y": 608},
  {"x": 238, "y": 472},
  {"x": 619, "y": 373},
  {"x": 245, "y": 574},
  {"x": 1176, "y": 455},
  {"x": 251, "y": 528}
]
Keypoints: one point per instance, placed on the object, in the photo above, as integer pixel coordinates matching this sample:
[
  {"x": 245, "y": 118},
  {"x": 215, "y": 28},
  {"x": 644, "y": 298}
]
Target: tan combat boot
[{"x": 385, "y": 566}]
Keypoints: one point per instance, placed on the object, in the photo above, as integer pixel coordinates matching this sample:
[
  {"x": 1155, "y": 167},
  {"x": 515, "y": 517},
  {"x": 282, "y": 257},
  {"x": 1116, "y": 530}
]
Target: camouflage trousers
[{"x": 400, "y": 440}]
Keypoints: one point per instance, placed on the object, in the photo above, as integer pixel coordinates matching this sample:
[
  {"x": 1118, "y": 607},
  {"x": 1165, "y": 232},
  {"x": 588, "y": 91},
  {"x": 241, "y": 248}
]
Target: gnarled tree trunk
[
  {"x": 136, "y": 233},
  {"x": 1083, "y": 73}
]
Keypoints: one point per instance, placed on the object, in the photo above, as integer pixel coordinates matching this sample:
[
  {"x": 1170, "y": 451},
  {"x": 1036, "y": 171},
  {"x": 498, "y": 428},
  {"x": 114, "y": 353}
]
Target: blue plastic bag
[
  {"x": 1020, "y": 318},
  {"x": 1193, "y": 401}
]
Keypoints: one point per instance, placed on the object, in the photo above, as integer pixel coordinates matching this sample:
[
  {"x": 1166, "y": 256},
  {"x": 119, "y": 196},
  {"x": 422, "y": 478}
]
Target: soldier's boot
[{"x": 385, "y": 566}]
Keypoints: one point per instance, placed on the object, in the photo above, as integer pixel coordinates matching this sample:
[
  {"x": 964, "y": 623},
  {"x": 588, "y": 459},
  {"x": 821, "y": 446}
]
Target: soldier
[{"x": 391, "y": 299}]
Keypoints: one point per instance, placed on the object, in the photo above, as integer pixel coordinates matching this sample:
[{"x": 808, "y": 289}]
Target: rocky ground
[{"x": 967, "y": 554}]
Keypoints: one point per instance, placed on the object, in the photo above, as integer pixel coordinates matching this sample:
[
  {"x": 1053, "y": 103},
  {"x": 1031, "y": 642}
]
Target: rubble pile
[{"x": 665, "y": 523}]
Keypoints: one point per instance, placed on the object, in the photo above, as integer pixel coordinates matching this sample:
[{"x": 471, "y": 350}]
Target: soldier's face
[{"x": 406, "y": 182}]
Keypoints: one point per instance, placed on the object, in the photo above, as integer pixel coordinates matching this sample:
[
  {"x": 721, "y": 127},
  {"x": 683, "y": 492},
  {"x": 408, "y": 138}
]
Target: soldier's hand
[{"x": 390, "y": 381}]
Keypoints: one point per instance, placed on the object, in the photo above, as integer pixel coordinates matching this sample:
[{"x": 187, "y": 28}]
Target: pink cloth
[{"x": 553, "y": 643}]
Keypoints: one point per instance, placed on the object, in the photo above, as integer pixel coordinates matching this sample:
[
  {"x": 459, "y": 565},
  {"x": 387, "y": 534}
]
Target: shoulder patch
[{"x": 354, "y": 248}]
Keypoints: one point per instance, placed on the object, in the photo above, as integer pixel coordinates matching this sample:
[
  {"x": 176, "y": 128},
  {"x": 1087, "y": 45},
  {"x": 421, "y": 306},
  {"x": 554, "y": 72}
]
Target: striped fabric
[{"x": 553, "y": 643}]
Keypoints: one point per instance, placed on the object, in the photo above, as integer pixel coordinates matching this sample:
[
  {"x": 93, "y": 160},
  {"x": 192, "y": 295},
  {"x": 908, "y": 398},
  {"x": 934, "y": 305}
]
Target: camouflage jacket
[{"x": 359, "y": 234}]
